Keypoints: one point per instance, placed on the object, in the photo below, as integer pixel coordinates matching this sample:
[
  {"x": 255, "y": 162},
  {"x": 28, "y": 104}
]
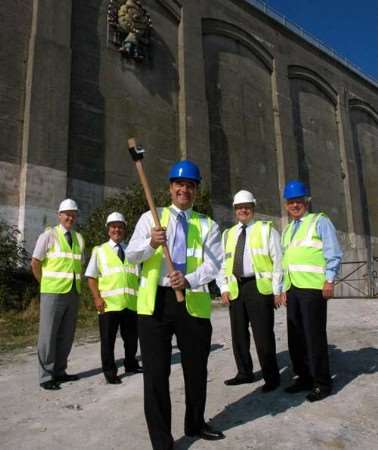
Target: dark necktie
[
  {"x": 239, "y": 253},
  {"x": 179, "y": 244},
  {"x": 121, "y": 253},
  {"x": 69, "y": 238}
]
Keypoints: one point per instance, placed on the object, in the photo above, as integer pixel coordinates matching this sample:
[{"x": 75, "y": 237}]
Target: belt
[{"x": 242, "y": 280}]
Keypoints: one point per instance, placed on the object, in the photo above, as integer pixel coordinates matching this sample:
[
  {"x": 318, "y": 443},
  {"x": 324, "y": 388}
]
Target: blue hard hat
[
  {"x": 295, "y": 189},
  {"x": 185, "y": 170}
]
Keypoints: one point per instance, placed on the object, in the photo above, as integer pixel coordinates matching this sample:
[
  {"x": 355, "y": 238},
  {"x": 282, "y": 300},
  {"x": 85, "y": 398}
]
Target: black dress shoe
[
  {"x": 113, "y": 379},
  {"x": 50, "y": 385},
  {"x": 239, "y": 380},
  {"x": 208, "y": 433},
  {"x": 268, "y": 387},
  {"x": 135, "y": 369},
  {"x": 65, "y": 378},
  {"x": 318, "y": 394},
  {"x": 299, "y": 385}
]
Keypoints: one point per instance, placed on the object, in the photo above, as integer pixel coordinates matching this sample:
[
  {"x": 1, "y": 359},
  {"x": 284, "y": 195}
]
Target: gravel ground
[{"x": 89, "y": 414}]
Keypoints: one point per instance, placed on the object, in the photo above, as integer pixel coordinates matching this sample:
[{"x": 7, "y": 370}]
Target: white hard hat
[
  {"x": 68, "y": 205},
  {"x": 115, "y": 217},
  {"x": 244, "y": 197}
]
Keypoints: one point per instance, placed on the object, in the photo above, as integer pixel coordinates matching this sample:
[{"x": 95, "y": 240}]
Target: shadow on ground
[
  {"x": 176, "y": 359},
  {"x": 345, "y": 366}
]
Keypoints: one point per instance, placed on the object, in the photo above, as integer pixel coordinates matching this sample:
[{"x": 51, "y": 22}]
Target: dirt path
[{"x": 89, "y": 414}]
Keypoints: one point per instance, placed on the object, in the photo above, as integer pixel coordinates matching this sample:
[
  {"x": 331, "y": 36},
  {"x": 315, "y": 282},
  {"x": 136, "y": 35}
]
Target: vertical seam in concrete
[
  {"x": 26, "y": 121},
  {"x": 182, "y": 108},
  {"x": 344, "y": 164},
  {"x": 279, "y": 144}
]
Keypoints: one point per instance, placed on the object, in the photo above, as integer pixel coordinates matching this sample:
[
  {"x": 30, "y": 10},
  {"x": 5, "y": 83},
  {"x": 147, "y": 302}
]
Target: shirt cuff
[
  {"x": 330, "y": 276},
  {"x": 224, "y": 288},
  {"x": 192, "y": 280}
]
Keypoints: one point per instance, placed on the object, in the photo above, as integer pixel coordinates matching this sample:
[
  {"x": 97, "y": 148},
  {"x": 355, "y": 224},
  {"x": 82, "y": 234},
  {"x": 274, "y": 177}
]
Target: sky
[{"x": 347, "y": 26}]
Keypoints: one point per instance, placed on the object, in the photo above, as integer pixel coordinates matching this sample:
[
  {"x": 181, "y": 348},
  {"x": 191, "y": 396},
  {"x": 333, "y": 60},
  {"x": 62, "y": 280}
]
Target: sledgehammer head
[{"x": 136, "y": 151}]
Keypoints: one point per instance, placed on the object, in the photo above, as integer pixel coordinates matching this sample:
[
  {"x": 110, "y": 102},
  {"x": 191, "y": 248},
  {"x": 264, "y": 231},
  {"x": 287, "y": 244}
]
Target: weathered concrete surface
[{"x": 89, "y": 414}]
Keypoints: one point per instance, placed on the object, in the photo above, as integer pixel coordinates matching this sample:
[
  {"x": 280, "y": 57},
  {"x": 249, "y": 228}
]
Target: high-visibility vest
[
  {"x": 118, "y": 282},
  {"x": 303, "y": 260},
  {"x": 62, "y": 263},
  {"x": 198, "y": 301},
  {"x": 258, "y": 245}
]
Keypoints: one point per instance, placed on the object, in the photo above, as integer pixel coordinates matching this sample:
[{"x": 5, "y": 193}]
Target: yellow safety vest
[
  {"x": 118, "y": 283},
  {"x": 62, "y": 264},
  {"x": 258, "y": 244},
  {"x": 198, "y": 301},
  {"x": 303, "y": 260}
]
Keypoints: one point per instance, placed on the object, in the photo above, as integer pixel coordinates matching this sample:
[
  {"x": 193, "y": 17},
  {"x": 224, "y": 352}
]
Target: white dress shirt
[
  {"x": 93, "y": 270},
  {"x": 248, "y": 269},
  {"x": 139, "y": 248},
  {"x": 45, "y": 241}
]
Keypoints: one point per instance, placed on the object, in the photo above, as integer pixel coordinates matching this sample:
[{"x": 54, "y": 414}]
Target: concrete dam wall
[{"x": 223, "y": 84}]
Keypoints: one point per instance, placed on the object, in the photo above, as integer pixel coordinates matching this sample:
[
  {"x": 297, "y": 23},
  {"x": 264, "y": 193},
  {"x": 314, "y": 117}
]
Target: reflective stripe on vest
[
  {"x": 198, "y": 302},
  {"x": 258, "y": 244},
  {"x": 303, "y": 260},
  {"x": 62, "y": 264},
  {"x": 118, "y": 282}
]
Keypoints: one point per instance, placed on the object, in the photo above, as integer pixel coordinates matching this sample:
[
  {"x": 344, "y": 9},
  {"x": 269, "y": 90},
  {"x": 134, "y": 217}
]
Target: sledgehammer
[{"x": 137, "y": 152}]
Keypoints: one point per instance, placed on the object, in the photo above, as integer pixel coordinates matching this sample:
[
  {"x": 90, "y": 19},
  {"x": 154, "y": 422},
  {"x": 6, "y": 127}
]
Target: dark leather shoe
[
  {"x": 208, "y": 433},
  {"x": 239, "y": 380},
  {"x": 50, "y": 385},
  {"x": 65, "y": 378},
  {"x": 318, "y": 394},
  {"x": 113, "y": 379},
  {"x": 268, "y": 387},
  {"x": 299, "y": 385},
  {"x": 135, "y": 369}
]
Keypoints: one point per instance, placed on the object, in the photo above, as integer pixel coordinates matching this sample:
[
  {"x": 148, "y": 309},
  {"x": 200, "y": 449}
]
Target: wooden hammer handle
[{"x": 151, "y": 204}]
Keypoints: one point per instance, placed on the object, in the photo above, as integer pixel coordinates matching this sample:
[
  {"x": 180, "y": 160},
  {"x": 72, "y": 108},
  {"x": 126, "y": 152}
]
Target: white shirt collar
[
  {"x": 114, "y": 244},
  {"x": 176, "y": 211},
  {"x": 248, "y": 224},
  {"x": 64, "y": 229}
]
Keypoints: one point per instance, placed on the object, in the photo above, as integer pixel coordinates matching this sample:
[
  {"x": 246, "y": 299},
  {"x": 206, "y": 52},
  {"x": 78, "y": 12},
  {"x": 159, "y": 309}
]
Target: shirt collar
[
  {"x": 176, "y": 211},
  {"x": 64, "y": 229},
  {"x": 114, "y": 244},
  {"x": 301, "y": 218},
  {"x": 248, "y": 224}
]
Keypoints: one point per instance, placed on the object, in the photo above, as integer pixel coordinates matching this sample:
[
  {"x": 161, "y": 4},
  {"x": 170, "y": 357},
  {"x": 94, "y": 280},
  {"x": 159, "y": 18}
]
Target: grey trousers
[{"x": 57, "y": 323}]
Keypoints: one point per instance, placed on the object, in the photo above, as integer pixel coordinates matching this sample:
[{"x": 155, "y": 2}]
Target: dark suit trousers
[
  {"x": 307, "y": 335},
  {"x": 109, "y": 322},
  {"x": 193, "y": 339},
  {"x": 256, "y": 309}
]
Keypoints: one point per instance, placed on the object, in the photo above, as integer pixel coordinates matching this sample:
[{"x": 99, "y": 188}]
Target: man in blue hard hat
[
  {"x": 311, "y": 260},
  {"x": 193, "y": 241}
]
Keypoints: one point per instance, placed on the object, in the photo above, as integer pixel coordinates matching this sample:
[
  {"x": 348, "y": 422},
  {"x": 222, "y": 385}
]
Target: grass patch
[{"x": 19, "y": 329}]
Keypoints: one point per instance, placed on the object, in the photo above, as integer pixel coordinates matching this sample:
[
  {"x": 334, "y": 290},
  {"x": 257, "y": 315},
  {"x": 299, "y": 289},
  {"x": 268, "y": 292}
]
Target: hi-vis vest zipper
[
  {"x": 118, "y": 283},
  {"x": 258, "y": 244},
  {"x": 303, "y": 260},
  {"x": 198, "y": 301},
  {"x": 62, "y": 264}
]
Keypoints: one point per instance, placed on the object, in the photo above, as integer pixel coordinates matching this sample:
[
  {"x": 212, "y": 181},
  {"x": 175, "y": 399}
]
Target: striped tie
[{"x": 179, "y": 244}]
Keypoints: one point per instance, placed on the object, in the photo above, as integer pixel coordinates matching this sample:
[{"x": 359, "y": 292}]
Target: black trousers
[
  {"x": 109, "y": 322},
  {"x": 193, "y": 339},
  {"x": 256, "y": 309},
  {"x": 307, "y": 335}
]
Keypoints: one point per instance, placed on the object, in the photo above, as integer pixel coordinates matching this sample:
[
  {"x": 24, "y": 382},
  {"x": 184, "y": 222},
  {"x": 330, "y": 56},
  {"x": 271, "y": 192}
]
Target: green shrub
[{"x": 16, "y": 283}]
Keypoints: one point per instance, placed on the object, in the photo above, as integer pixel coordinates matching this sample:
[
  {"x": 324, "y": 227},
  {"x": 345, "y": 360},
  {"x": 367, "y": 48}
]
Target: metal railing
[
  {"x": 358, "y": 279},
  {"x": 278, "y": 17}
]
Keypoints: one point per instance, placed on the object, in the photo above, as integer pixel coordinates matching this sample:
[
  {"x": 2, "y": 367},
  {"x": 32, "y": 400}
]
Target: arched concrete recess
[
  {"x": 317, "y": 134},
  {"x": 364, "y": 126},
  {"x": 239, "y": 92}
]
